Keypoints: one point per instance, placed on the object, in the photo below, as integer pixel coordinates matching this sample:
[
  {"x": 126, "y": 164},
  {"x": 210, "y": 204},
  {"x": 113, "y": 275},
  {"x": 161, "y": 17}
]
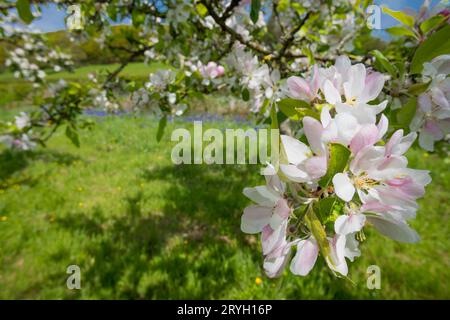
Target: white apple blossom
[
  {"x": 432, "y": 119},
  {"x": 375, "y": 188}
]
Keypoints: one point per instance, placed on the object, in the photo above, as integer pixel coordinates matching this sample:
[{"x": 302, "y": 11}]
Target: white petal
[
  {"x": 349, "y": 224},
  {"x": 331, "y": 93},
  {"x": 262, "y": 195},
  {"x": 343, "y": 187},
  {"x": 296, "y": 151},
  {"x": 255, "y": 218},
  {"x": 293, "y": 173},
  {"x": 314, "y": 131},
  {"x": 394, "y": 229}
]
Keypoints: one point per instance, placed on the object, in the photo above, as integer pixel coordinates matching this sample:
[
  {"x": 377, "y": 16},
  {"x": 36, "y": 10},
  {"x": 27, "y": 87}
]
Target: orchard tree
[{"x": 350, "y": 104}]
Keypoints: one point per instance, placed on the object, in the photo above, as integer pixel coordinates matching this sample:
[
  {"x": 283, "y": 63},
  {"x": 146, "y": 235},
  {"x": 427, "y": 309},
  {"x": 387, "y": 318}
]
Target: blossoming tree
[{"x": 353, "y": 104}]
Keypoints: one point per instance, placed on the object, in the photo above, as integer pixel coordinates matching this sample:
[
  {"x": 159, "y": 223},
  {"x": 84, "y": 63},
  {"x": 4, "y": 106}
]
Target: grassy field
[
  {"x": 140, "y": 227},
  {"x": 13, "y": 90},
  {"x": 136, "y": 70}
]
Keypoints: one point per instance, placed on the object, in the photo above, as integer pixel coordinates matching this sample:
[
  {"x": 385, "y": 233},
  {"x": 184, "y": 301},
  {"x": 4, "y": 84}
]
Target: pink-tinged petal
[
  {"x": 313, "y": 131},
  {"x": 296, "y": 151},
  {"x": 331, "y": 93},
  {"x": 368, "y": 158},
  {"x": 271, "y": 239},
  {"x": 394, "y": 229},
  {"x": 410, "y": 188},
  {"x": 439, "y": 97},
  {"x": 305, "y": 258},
  {"x": 299, "y": 88},
  {"x": 315, "y": 81},
  {"x": 282, "y": 209},
  {"x": 367, "y": 136},
  {"x": 220, "y": 71},
  {"x": 349, "y": 224},
  {"x": 393, "y": 141},
  {"x": 316, "y": 167},
  {"x": 375, "y": 206},
  {"x": 424, "y": 102},
  {"x": 255, "y": 218},
  {"x": 404, "y": 144},
  {"x": 432, "y": 128},
  {"x": 343, "y": 187},
  {"x": 373, "y": 86},
  {"x": 274, "y": 266}
]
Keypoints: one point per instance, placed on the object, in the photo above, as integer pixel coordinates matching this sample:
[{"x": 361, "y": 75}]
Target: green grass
[
  {"x": 13, "y": 91},
  {"x": 140, "y": 227},
  {"x": 136, "y": 70}
]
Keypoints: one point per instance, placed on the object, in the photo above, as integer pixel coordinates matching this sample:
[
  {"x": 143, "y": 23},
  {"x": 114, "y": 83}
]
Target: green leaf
[
  {"x": 254, "y": 10},
  {"x": 337, "y": 162},
  {"x": 400, "y": 16},
  {"x": 384, "y": 62},
  {"x": 307, "y": 52},
  {"x": 325, "y": 207},
  {"x": 401, "y": 31},
  {"x": 418, "y": 88},
  {"x": 318, "y": 231},
  {"x": 245, "y": 94},
  {"x": 437, "y": 44},
  {"x": 407, "y": 113},
  {"x": 431, "y": 23},
  {"x": 24, "y": 11},
  {"x": 274, "y": 118},
  {"x": 161, "y": 127},
  {"x": 297, "y": 109},
  {"x": 72, "y": 134}
]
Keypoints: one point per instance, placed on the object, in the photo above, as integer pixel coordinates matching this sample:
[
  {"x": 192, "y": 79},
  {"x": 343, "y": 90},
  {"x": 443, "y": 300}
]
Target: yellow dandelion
[
  {"x": 258, "y": 281},
  {"x": 4, "y": 218}
]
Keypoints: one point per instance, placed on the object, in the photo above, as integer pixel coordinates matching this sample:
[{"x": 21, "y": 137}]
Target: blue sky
[{"x": 52, "y": 18}]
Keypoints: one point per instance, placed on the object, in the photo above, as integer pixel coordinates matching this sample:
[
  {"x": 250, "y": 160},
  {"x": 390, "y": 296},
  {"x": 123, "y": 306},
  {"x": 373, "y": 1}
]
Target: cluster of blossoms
[
  {"x": 159, "y": 95},
  {"x": 346, "y": 178},
  {"x": 17, "y": 136},
  {"x": 257, "y": 78},
  {"x": 32, "y": 57},
  {"x": 432, "y": 119}
]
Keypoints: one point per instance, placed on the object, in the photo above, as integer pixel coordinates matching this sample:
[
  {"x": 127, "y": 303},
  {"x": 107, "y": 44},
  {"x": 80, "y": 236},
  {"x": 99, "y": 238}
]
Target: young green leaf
[
  {"x": 431, "y": 23},
  {"x": 437, "y": 44},
  {"x": 401, "y": 31},
  {"x": 24, "y": 11},
  {"x": 72, "y": 134},
  {"x": 325, "y": 207},
  {"x": 318, "y": 231},
  {"x": 400, "y": 16},
  {"x": 161, "y": 127},
  {"x": 406, "y": 113},
  {"x": 337, "y": 162},
  {"x": 254, "y": 10},
  {"x": 384, "y": 62}
]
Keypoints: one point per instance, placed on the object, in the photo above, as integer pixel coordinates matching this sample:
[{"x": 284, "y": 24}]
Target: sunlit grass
[{"x": 140, "y": 227}]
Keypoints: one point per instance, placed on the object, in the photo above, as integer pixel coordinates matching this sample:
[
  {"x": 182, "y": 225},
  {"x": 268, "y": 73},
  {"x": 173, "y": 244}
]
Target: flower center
[
  {"x": 351, "y": 101},
  {"x": 364, "y": 182}
]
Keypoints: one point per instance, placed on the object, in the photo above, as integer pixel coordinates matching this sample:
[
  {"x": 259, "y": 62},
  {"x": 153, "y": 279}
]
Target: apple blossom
[{"x": 432, "y": 119}]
